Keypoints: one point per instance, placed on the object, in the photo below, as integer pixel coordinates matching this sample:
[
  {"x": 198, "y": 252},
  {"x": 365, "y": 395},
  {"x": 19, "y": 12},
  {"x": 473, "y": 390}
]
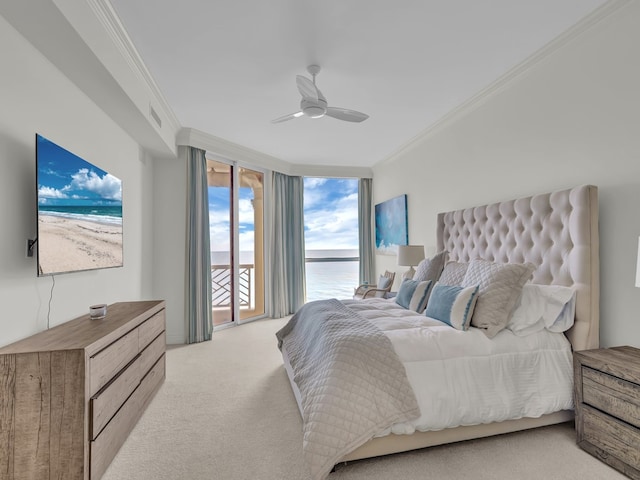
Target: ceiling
[{"x": 228, "y": 67}]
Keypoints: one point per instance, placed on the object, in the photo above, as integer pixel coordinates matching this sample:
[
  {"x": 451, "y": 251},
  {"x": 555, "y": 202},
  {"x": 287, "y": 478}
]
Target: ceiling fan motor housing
[{"x": 313, "y": 108}]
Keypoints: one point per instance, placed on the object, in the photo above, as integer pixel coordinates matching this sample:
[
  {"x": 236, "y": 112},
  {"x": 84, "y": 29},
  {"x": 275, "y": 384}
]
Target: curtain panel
[
  {"x": 365, "y": 224},
  {"x": 198, "y": 265},
  {"x": 288, "y": 291}
]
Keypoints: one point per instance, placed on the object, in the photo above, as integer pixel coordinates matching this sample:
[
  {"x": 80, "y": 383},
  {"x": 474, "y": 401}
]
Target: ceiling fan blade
[
  {"x": 306, "y": 87},
  {"x": 346, "y": 114},
  {"x": 287, "y": 117}
]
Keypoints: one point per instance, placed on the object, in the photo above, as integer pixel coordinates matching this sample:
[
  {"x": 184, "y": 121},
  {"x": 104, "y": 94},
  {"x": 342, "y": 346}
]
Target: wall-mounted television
[{"x": 79, "y": 213}]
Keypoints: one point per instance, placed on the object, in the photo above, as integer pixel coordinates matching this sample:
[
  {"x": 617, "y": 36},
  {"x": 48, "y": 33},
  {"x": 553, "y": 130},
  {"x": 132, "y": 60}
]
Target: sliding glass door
[{"x": 236, "y": 199}]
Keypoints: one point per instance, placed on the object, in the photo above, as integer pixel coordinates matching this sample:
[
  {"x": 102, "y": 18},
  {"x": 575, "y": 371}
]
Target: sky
[
  {"x": 330, "y": 212},
  {"x": 66, "y": 179}
]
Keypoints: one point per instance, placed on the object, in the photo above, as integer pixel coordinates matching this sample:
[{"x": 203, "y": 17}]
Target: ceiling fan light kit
[
  {"x": 314, "y": 104},
  {"x": 313, "y": 109}
]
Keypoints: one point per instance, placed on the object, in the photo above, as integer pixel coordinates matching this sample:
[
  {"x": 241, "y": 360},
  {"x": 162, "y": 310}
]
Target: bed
[{"x": 557, "y": 233}]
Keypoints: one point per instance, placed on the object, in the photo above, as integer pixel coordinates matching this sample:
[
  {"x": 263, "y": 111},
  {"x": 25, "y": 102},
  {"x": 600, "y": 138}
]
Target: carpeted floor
[{"x": 226, "y": 411}]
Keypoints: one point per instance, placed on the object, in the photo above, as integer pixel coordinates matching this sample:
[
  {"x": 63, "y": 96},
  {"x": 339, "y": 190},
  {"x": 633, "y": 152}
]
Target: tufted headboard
[{"x": 558, "y": 232}]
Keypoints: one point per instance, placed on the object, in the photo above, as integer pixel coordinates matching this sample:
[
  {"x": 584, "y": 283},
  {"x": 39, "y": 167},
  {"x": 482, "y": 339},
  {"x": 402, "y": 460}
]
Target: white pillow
[{"x": 543, "y": 306}]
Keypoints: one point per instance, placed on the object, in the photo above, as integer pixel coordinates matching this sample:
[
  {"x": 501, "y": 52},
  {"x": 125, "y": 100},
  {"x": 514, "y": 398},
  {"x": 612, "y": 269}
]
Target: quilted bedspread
[{"x": 352, "y": 383}]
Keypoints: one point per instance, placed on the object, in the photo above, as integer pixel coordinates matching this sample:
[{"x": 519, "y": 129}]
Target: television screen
[{"x": 79, "y": 212}]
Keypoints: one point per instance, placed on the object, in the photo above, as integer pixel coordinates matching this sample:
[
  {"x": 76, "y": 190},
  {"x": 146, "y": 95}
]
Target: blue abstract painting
[{"x": 391, "y": 225}]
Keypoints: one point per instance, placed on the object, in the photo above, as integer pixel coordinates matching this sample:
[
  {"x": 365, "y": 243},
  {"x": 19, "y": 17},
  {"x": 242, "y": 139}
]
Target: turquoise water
[{"x": 94, "y": 213}]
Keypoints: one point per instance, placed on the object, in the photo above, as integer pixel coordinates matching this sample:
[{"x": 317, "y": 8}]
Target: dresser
[
  {"x": 70, "y": 395},
  {"x": 607, "y": 400}
]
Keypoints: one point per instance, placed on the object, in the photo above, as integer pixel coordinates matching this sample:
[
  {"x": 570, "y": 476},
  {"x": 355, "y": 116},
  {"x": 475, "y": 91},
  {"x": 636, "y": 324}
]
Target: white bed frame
[{"x": 558, "y": 232}]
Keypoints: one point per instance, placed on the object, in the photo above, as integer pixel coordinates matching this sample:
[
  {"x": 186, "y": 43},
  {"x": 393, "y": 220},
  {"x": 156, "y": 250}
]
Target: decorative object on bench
[
  {"x": 410, "y": 256},
  {"x": 385, "y": 282}
]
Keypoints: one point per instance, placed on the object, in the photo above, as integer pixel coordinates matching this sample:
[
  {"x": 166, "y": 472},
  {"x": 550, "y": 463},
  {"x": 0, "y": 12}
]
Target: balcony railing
[
  {"x": 338, "y": 286},
  {"x": 221, "y": 285}
]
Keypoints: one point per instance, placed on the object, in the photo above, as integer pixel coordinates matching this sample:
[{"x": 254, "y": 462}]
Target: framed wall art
[{"x": 391, "y": 225}]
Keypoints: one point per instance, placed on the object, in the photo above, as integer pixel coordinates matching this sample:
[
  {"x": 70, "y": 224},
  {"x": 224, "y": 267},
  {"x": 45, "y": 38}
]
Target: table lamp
[{"x": 410, "y": 256}]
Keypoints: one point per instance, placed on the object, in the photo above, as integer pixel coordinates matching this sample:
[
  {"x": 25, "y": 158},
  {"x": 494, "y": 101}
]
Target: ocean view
[
  {"x": 324, "y": 279},
  {"x": 331, "y": 279},
  {"x": 111, "y": 214}
]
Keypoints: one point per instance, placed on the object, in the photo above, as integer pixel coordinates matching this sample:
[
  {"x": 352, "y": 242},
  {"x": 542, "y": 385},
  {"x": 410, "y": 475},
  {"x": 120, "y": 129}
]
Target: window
[{"x": 331, "y": 237}]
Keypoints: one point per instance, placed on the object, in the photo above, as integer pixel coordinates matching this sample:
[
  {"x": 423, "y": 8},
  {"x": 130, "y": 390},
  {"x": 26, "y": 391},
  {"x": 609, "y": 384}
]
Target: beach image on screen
[{"x": 79, "y": 213}]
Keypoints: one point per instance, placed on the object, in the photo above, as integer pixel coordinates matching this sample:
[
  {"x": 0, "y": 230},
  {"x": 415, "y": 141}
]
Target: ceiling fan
[{"x": 314, "y": 104}]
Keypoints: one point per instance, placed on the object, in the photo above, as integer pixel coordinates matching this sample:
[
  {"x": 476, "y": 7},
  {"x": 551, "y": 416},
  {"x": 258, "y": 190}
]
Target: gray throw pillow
[
  {"x": 430, "y": 268},
  {"x": 500, "y": 287},
  {"x": 453, "y": 273}
]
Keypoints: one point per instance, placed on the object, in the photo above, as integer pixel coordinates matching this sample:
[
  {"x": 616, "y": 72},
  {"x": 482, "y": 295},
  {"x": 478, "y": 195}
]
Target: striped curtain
[
  {"x": 367, "y": 266},
  {"x": 198, "y": 274},
  {"x": 288, "y": 291}
]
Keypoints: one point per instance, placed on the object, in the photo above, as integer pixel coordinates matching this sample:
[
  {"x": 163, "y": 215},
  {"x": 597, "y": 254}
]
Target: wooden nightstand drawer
[
  {"x": 607, "y": 405},
  {"x": 612, "y": 395},
  {"x": 611, "y": 435}
]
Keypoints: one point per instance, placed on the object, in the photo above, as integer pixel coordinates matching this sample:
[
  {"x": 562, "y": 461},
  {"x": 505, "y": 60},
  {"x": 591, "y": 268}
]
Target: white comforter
[{"x": 465, "y": 378}]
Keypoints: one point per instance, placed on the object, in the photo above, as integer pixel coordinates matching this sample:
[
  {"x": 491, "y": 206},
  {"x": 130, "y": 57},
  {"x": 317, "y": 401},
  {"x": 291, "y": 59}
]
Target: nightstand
[{"x": 607, "y": 403}]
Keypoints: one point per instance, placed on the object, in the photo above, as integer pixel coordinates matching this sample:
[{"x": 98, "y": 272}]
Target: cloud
[
  {"x": 313, "y": 182},
  {"x": 245, "y": 211},
  {"x": 48, "y": 192},
  {"x": 331, "y": 222},
  {"x": 331, "y": 217},
  {"x": 107, "y": 187}
]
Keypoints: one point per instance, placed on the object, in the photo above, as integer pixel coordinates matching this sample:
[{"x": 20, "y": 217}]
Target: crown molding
[
  {"x": 331, "y": 171},
  {"x": 601, "y": 13},
  {"x": 109, "y": 19},
  {"x": 232, "y": 151}
]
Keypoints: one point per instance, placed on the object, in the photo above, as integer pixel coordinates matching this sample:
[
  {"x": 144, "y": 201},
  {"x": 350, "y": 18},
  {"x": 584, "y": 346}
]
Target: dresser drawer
[
  {"x": 151, "y": 382},
  {"x": 150, "y": 329},
  {"x": 612, "y": 395},
  {"x": 108, "y": 362},
  {"x": 611, "y": 435},
  {"x": 152, "y": 353},
  {"x": 107, "y": 401},
  {"x": 108, "y": 442}
]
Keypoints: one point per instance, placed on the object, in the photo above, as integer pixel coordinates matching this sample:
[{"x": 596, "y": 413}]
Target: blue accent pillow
[
  {"x": 413, "y": 294},
  {"x": 420, "y": 296},
  {"x": 407, "y": 287},
  {"x": 452, "y": 305}
]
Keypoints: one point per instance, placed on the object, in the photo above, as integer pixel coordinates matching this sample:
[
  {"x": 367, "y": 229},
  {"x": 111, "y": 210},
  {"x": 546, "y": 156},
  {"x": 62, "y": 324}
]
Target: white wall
[
  {"x": 571, "y": 119},
  {"x": 36, "y": 97},
  {"x": 170, "y": 223}
]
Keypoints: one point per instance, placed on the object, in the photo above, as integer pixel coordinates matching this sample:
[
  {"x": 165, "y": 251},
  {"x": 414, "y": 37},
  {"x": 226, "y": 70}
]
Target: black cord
[{"x": 53, "y": 284}]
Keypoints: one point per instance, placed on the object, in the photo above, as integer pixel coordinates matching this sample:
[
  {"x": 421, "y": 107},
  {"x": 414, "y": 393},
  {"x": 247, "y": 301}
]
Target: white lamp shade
[
  {"x": 638, "y": 266},
  {"x": 410, "y": 255}
]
